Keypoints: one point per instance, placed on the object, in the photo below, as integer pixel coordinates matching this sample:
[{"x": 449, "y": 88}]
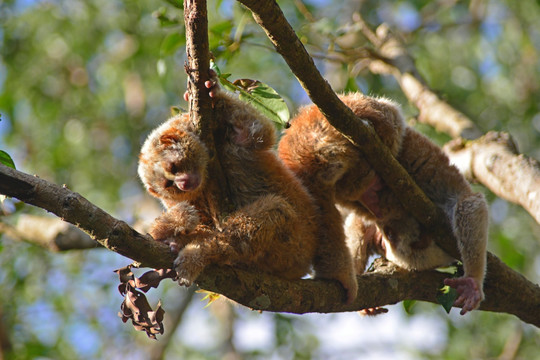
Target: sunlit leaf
[
  {"x": 267, "y": 101},
  {"x": 452, "y": 269},
  {"x": 210, "y": 296},
  {"x": 258, "y": 94},
  {"x": 6, "y": 159}
]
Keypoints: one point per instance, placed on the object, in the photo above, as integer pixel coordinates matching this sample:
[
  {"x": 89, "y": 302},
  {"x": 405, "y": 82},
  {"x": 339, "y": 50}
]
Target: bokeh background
[{"x": 81, "y": 85}]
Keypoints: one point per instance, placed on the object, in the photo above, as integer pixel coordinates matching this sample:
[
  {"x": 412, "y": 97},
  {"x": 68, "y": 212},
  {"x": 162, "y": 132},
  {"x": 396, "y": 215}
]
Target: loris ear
[{"x": 171, "y": 136}]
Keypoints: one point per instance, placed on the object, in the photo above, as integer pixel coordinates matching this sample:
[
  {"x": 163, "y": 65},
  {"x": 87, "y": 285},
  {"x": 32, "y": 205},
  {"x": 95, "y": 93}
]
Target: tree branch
[
  {"x": 200, "y": 103},
  {"x": 111, "y": 233},
  {"x": 387, "y": 285},
  {"x": 48, "y": 232},
  {"x": 495, "y": 161}
]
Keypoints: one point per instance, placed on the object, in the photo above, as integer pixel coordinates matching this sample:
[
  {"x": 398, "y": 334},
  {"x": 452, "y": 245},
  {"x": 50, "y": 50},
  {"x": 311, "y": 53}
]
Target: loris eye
[
  {"x": 168, "y": 183},
  {"x": 172, "y": 168}
]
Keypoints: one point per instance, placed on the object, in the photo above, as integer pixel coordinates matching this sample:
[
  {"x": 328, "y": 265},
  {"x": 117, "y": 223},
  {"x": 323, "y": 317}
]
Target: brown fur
[
  {"x": 271, "y": 226},
  {"x": 337, "y": 173}
]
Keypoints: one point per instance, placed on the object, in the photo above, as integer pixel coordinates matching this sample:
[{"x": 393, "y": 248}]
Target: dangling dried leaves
[{"x": 135, "y": 305}]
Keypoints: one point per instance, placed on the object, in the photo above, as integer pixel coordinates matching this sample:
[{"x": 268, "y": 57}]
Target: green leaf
[
  {"x": 177, "y": 110},
  {"x": 261, "y": 96},
  {"x": 6, "y": 159},
  {"x": 446, "y": 297},
  {"x": 408, "y": 304},
  {"x": 171, "y": 43},
  {"x": 267, "y": 101},
  {"x": 215, "y": 67}
]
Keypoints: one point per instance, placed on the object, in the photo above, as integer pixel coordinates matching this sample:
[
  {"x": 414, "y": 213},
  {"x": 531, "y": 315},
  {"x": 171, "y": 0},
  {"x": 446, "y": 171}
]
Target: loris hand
[
  {"x": 212, "y": 85},
  {"x": 178, "y": 220}
]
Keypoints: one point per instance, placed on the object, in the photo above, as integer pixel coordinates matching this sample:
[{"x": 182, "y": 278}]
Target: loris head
[{"x": 173, "y": 161}]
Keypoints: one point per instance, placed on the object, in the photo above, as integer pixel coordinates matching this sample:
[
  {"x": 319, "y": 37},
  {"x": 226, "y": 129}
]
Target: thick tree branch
[
  {"x": 387, "y": 285},
  {"x": 495, "y": 161},
  {"x": 111, "y": 233}
]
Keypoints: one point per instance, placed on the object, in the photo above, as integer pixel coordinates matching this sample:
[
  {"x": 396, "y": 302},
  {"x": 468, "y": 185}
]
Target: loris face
[{"x": 172, "y": 163}]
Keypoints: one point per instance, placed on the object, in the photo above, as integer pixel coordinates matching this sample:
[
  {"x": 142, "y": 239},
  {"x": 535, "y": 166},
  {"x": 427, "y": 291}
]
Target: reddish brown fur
[
  {"x": 335, "y": 172},
  {"x": 271, "y": 226}
]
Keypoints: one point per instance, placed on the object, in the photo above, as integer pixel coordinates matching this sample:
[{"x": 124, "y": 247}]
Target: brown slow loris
[
  {"x": 272, "y": 226},
  {"x": 336, "y": 172}
]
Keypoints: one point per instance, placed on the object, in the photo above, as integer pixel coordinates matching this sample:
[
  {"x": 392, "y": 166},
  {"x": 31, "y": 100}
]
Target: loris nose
[{"x": 187, "y": 182}]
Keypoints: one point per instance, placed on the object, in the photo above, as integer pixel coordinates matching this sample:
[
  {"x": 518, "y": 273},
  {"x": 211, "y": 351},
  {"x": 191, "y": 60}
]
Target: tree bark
[
  {"x": 494, "y": 161},
  {"x": 200, "y": 103},
  {"x": 48, "y": 232},
  {"x": 506, "y": 290}
]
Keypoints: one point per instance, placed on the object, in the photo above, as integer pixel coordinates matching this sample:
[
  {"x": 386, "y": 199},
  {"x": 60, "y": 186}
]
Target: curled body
[
  {"x": 337, "y": 173},
  {"x": 271, "y": 224}
]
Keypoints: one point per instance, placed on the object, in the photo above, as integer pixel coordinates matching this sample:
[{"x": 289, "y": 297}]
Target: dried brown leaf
[
  {"x": 151, "y": 279},
  {"x": 135, "y": 306}
]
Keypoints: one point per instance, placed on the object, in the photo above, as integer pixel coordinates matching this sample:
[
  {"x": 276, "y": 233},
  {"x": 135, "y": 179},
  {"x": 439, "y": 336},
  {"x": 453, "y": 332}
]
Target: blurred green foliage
[{"x": 82, "y": 83}]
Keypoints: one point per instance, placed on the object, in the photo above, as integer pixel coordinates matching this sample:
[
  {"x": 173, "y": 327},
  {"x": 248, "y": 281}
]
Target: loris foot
[
  {"x": 189, "y": 264},
  {"x": 351, "y": 287},
  {"x": 470, "y": 295}
]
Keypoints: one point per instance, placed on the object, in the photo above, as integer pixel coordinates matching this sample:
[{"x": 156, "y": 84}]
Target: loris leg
[
  {"x": 333, "y": 259},
  {"x": 265, "y": 235},
  {"x": 363, "y": 237},
  {"x": 470, "y": 227}
]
